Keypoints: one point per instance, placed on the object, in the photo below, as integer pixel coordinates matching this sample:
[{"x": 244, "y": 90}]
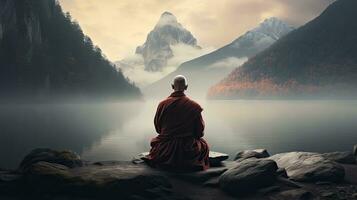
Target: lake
[{"x": 119, "y": 131}]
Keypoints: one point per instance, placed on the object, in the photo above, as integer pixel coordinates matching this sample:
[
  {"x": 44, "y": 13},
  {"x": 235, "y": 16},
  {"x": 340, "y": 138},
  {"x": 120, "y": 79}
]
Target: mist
[{"x": 133, "y": 65}]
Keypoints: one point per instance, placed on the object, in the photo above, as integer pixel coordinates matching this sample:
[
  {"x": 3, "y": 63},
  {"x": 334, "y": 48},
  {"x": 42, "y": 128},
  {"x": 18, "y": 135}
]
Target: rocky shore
[{"x": 253, "y": 175}]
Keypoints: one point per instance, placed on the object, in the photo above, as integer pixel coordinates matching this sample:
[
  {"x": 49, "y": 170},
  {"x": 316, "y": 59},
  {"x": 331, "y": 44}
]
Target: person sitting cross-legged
[{"x": 180, "y": 127}]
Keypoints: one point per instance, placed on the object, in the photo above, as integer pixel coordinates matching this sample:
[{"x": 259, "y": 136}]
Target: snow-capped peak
[
  {"x": 167, "y": 18},
  {"x": 157, "y": 48},
  {"x": 273, "y": 27},
  {"x": 269, "y": 31}
]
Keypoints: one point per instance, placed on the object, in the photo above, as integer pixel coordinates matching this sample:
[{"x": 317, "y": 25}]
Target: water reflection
[
  {"x": 61, "y": 126},
  {"x": 120, "y": 131}
]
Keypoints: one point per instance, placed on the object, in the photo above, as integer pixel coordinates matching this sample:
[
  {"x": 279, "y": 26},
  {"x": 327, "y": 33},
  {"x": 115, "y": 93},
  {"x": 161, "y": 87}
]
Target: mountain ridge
[
  {"x": 210, "y": 68},
  {"x": 45, "y": 55},
  {"x": 318, "y": 59}
]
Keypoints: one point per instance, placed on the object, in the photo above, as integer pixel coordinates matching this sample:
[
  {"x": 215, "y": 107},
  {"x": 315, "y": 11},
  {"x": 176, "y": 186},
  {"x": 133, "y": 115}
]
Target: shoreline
[{"x": 252, "y": 175}]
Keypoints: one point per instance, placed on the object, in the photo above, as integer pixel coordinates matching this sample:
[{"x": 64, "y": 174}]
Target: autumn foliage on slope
[{"x": 318, "y": 59}]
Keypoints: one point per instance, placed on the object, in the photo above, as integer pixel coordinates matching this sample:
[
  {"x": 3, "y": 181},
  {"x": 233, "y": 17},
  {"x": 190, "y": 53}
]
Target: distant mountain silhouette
[
  {"x": 208, "y": 69},
  {"x": 43, "y": 53},
  {"x": 317, "y": 60}
]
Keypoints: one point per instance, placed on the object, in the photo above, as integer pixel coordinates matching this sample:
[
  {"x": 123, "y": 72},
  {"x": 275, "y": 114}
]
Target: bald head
[{"x": 179, "y": 83}]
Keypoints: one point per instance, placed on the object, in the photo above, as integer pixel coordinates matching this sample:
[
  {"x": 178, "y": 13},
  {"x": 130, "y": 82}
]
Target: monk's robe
[{"x": 179, "y": 144}]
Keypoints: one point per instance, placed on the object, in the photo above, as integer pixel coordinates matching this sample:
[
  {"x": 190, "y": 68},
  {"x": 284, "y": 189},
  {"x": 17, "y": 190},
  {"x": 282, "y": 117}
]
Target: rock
[
  {"x": 281, "y": 172},
  {"x": 323, "y": 183},
  {"x": 66, "y": 158},
  {"x": 269, "y": 189},
  {"x": 309, "y": 167},
  {"x": 120, "y": 179},
  {"x": 213, "y": 182},
  {"x": 288, "y": 182},
  {"x": 9, "y": 182},
  {"x": 215, "y": 158},
  {"x": 257, "y": 153},
  {"x": 296, "y": 194},
  {"x": 345, "y": 157},
  {"x": 354, "y": 196},
  {"x": 247, "y": 176},
  {"x": 201, "y": 176},
  {"x": 327, "y": 194}
]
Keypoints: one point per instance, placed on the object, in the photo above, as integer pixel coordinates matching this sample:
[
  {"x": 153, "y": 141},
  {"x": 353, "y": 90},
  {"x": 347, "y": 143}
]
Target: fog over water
[{"x": 119, "y": 131}]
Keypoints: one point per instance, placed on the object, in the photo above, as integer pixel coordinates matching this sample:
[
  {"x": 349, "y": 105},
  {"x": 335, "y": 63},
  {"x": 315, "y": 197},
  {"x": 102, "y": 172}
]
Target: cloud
[
  {"x": 230, "y": 63},
  {"x": 133, "y": 65}
]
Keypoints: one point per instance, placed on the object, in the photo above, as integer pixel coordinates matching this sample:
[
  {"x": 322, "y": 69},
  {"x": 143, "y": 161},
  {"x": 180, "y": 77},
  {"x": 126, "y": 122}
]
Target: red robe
[{"x": 179, "y": 145}]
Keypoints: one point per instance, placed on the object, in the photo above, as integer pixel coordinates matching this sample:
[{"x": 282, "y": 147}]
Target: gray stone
[
  {"x": 66, "y": 158},
  {"x": 213, "y": 182},
  {"x": 329, "y": 194},
  {"x": 296, "y": 194},
  {"x": 120, "y": 179},
  {"x": 288, "y": 182},
  {"x": 345, "y": 157},
  {"x": 281, "y": 172},
  {"x": 256, "y": 153},
  {"x": 201, "y": 176},
  {"x": 309, "y": 167},
  {"x": 269, "y": 189},
  {"x": 248, "y": 175}
]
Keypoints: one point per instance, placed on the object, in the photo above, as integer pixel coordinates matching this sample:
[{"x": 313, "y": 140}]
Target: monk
[{"x": 179, "y": 124}]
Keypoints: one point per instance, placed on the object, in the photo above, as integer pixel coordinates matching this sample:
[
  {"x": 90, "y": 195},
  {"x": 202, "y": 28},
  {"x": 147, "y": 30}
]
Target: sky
[{"x": 119, "y": 26}]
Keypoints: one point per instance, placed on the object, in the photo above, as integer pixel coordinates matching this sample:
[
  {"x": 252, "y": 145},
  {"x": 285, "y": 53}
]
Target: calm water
[{"x": 120, "y": 131}]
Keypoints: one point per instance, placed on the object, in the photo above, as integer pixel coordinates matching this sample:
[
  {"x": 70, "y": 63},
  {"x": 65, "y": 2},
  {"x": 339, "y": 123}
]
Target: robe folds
[{"x": 179, "y": 144}]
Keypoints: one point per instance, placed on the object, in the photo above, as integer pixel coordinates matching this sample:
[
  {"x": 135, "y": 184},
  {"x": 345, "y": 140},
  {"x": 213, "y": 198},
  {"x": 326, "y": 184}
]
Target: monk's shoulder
[
  {"x": 195, "y": 104},
  {"x": 164, "y": 102}
]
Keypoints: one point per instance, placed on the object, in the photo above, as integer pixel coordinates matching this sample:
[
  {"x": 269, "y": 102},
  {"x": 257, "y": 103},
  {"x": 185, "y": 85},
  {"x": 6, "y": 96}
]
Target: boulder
[
  {"x": 345, "y": 157},
  {"x": 66, "y": 158},
  {"x": 248, "y": 175},
  {"x": 257, "y": 153},
  {"x": 105, "y": 181},
  {"x": 45, "y": 177},
  {"x": 295, "y": 194},
  {"x": 309, "y": 167}
]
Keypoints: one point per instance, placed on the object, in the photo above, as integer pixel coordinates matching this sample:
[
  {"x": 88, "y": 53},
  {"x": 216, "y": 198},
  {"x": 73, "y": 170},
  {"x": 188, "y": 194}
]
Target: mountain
[
  {"x": 317, "y": 60},
  {"x": 208, "y": 69},
  {"x": 44, "y": 54},
  {"x": 157, "y": 48}
]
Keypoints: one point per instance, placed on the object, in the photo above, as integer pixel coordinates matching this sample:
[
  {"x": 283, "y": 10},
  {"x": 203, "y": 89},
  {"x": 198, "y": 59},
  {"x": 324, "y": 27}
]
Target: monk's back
[
  {"x": 178, "y": 116},
  {"x": 179, "y": 124}
]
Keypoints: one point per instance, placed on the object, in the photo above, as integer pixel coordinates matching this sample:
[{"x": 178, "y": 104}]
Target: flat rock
[
  {"x": 295, "y": 194},
  {"x": 345, "y": 157},
  {"x": 256, "y": 153},
  {"x": 201, "y": 176},
  {"x": 309, "y": 167},
  {"x": 66, "y": 158},
  {"x": 124, "y": 179},
  {"x": 215, "y": 158},
  {"x": 248, "y": 175}
]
